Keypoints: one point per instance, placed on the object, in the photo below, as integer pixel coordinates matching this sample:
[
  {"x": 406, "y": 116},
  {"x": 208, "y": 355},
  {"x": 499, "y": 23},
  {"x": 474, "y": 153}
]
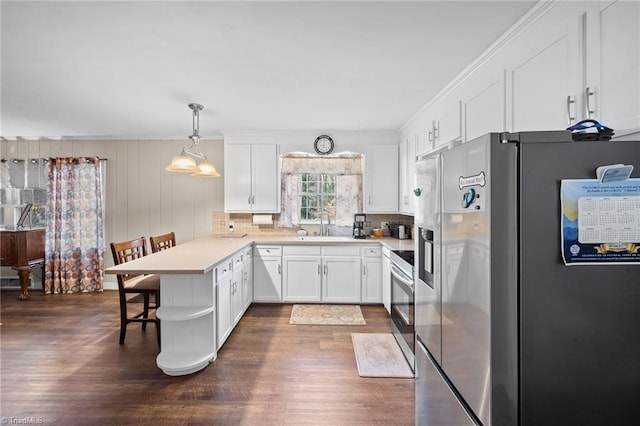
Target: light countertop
[{"x": 202, "y": 255}]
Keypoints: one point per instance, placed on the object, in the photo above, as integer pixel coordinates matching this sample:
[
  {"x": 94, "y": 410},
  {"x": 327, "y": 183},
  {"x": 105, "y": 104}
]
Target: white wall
[{"x": 142, "y": 199}]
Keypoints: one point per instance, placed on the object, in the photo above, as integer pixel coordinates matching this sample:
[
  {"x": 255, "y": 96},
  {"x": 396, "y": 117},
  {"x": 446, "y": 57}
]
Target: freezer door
[{"x": 436, "y": 404}]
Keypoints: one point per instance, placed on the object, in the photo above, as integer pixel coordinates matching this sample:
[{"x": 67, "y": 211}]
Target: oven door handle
[{"x": 400, "y": 276}]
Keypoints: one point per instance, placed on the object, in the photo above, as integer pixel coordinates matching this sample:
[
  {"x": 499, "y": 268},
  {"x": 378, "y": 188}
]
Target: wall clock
[{"x": 323, "y": 145}]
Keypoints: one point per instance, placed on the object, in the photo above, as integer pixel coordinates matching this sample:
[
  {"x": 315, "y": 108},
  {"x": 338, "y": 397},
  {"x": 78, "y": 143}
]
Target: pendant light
[{"x": 186, "y": 161}]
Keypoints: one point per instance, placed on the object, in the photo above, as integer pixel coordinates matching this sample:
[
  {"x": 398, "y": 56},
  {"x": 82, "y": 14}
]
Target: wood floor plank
[{"x": 61, "y": 364}]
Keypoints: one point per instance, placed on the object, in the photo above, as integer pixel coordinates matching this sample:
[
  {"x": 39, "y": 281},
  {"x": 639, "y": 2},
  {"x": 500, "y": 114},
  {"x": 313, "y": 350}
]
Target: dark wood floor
[{"x": 62, "y": 365}]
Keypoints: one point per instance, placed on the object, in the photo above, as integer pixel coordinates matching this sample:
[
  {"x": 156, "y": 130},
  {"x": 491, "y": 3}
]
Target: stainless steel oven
[{"x": 402, "y": 302}]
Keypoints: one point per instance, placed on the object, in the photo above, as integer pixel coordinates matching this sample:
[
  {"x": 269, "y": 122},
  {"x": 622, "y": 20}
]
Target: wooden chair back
[
  {"x": 127, "y": 251},
  {"x": 163, "y": 242}
]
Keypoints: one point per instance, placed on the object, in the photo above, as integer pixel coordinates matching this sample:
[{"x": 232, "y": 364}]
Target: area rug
[
  {"x": 378, "y": 355},
  {"x": 326, "y": 315}
]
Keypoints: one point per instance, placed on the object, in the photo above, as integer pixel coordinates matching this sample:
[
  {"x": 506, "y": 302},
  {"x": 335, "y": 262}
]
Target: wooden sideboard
[{"x": 22, "y": 250}]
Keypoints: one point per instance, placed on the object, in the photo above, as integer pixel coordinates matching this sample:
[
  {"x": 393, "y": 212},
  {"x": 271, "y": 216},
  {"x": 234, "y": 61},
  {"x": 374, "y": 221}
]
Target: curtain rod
[{"x": 19, "y": 160}]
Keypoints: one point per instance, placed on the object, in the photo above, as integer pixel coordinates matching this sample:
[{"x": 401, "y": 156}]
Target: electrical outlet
[
  {"x": 384, "y": 226},
  {"x": 231, "y": 224}
]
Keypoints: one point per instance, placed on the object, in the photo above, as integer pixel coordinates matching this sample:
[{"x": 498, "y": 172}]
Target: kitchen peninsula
[{"x": 198, "y": 279}]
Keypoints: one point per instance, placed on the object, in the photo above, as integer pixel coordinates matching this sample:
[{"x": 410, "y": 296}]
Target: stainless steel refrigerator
[{"x": 508, "y": 332}]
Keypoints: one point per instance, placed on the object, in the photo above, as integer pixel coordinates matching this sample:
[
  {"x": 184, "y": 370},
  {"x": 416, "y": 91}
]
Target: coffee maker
[{"x": 358, "y": 225}]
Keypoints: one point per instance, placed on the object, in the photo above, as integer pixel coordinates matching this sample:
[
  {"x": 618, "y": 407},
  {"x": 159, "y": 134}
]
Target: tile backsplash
[{"x": 243, "y": 223}]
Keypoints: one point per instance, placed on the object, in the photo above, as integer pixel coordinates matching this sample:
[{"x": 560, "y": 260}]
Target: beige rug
[
  {"x": 327, "y": 315},
  {"x": 378, "y": 355}
]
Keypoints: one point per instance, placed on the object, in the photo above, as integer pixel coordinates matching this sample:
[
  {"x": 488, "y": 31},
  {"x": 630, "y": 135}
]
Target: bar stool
[{"x": 136, "y": 288}]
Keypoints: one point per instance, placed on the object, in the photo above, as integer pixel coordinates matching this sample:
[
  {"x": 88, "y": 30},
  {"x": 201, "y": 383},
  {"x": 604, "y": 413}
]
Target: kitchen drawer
[
  {"x": 372, "y": 251},
  {"x": 342, "y": 250},
  {"x": 223, "y": 269},
  {"x": 302, "y": 250},
  {"x": 236, "y": 261},
  {"x": 268, "y": 251}
]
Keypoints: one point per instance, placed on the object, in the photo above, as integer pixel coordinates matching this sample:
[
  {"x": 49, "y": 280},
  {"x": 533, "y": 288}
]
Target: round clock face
[{"x": 323, "y": 145}]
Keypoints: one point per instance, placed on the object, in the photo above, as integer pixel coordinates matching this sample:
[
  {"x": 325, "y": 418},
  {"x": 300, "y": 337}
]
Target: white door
[
  {"x": 266, "y": 187},
  {"x": 301, "y": 279},
  {"x": 613, "y": 65},
  {"x": 381, "y": 170},
  {"x": 543, "y": 76},
  {"x": 224, "y": 308},
  {"x": 247, "y": 286},
  {"x": 237, "y": 179},
  {"x": 371, "y": 280},
  {"x": 484, "y": 107},
  {"x": 236, "y": 293},
  {"x": 267, "y": 282},
  {"x": 341, "y": 280}
]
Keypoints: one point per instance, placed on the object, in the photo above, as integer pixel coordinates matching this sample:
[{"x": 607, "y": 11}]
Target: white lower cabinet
[
  {"x": 224, "y": 281},
  {"x": 341, "y": 282},
  {"x": 372, "y": 275},
  {"x": 237, "y": 286},
  {"x": 331, "y": 274},
  {"x": 267, "y": 274},
  {"x": 247, "y": 279},
  {"x": 386, "y": 279},
  {"x": 302, "y": 273}
]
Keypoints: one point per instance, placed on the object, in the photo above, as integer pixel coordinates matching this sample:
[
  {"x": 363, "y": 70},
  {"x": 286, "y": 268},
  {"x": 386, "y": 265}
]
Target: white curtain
[{"x": 347, "y": 168}]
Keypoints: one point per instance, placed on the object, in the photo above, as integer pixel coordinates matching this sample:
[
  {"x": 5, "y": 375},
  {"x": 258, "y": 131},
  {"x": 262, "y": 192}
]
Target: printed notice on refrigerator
[{"x": 600, "y": 221}]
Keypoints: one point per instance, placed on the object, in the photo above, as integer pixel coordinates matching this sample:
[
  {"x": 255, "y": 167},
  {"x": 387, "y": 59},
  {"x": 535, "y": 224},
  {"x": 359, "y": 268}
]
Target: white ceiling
[{"x": 129, "y": 69}]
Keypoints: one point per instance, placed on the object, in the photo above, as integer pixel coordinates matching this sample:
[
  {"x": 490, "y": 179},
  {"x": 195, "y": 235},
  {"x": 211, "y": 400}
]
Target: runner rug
[
  {"x": 378, "y": 355},
  {"x": 326, "y": 315}
]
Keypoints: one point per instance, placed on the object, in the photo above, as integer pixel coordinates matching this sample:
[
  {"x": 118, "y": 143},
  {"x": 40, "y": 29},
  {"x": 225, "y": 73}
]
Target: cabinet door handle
[
  {"x": 430, "y": 136},
  {"x": 319, "y": 272},
  {"x": 249, "y": 200},
  {"x": 587, "y": 102},
  {"x": 364, "y": 269},
  {"x": 279, "y": 271},
  {"x": 325, "y": 269},
  {"x": 436, "y": 130},
  {"x": 570, "y": 101}
]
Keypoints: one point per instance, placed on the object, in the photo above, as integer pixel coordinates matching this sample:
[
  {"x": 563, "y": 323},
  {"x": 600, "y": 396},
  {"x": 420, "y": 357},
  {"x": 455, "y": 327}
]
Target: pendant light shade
[
  {"x": 205, "y": 169},
  {"x": 182, "y": 164},
  {"x": 186, "y": 161}
]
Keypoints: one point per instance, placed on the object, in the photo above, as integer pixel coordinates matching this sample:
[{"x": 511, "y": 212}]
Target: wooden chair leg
[
  {"x": 145, "y": 315},
  {"x": 123, "y": 325}
]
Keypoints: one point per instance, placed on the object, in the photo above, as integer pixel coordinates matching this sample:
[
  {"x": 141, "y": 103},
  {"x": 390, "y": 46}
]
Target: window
[
  {"x": 317, "y": 194},
  {"x": 312, "y": 184}
]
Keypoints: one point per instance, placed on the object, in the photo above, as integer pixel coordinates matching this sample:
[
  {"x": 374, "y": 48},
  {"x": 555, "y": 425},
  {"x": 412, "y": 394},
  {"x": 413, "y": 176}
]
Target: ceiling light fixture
[{"x": 186, "y": 161}]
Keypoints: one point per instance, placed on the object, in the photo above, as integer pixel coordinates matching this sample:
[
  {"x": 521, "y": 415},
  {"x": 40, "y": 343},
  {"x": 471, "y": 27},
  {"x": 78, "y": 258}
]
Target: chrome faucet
[{"x": 324, "y": 231}]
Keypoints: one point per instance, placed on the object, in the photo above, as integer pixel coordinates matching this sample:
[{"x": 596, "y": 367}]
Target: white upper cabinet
[
  {"x": 612, "y": 91},
  {"x": 408, "y": 147},
  {"x": 252, "y": 178},
  {"x": 484, "y": 104},
  {"x": 446, "y": 126},
  {"x": 542, "y": 75},
  {"x": 381, "y": 187}
]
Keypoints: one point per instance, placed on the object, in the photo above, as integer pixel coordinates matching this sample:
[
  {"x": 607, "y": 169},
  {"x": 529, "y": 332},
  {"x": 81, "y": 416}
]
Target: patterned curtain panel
[
  {"x": 74, "y": 244},
  {"x": 348, "y": 171}
]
